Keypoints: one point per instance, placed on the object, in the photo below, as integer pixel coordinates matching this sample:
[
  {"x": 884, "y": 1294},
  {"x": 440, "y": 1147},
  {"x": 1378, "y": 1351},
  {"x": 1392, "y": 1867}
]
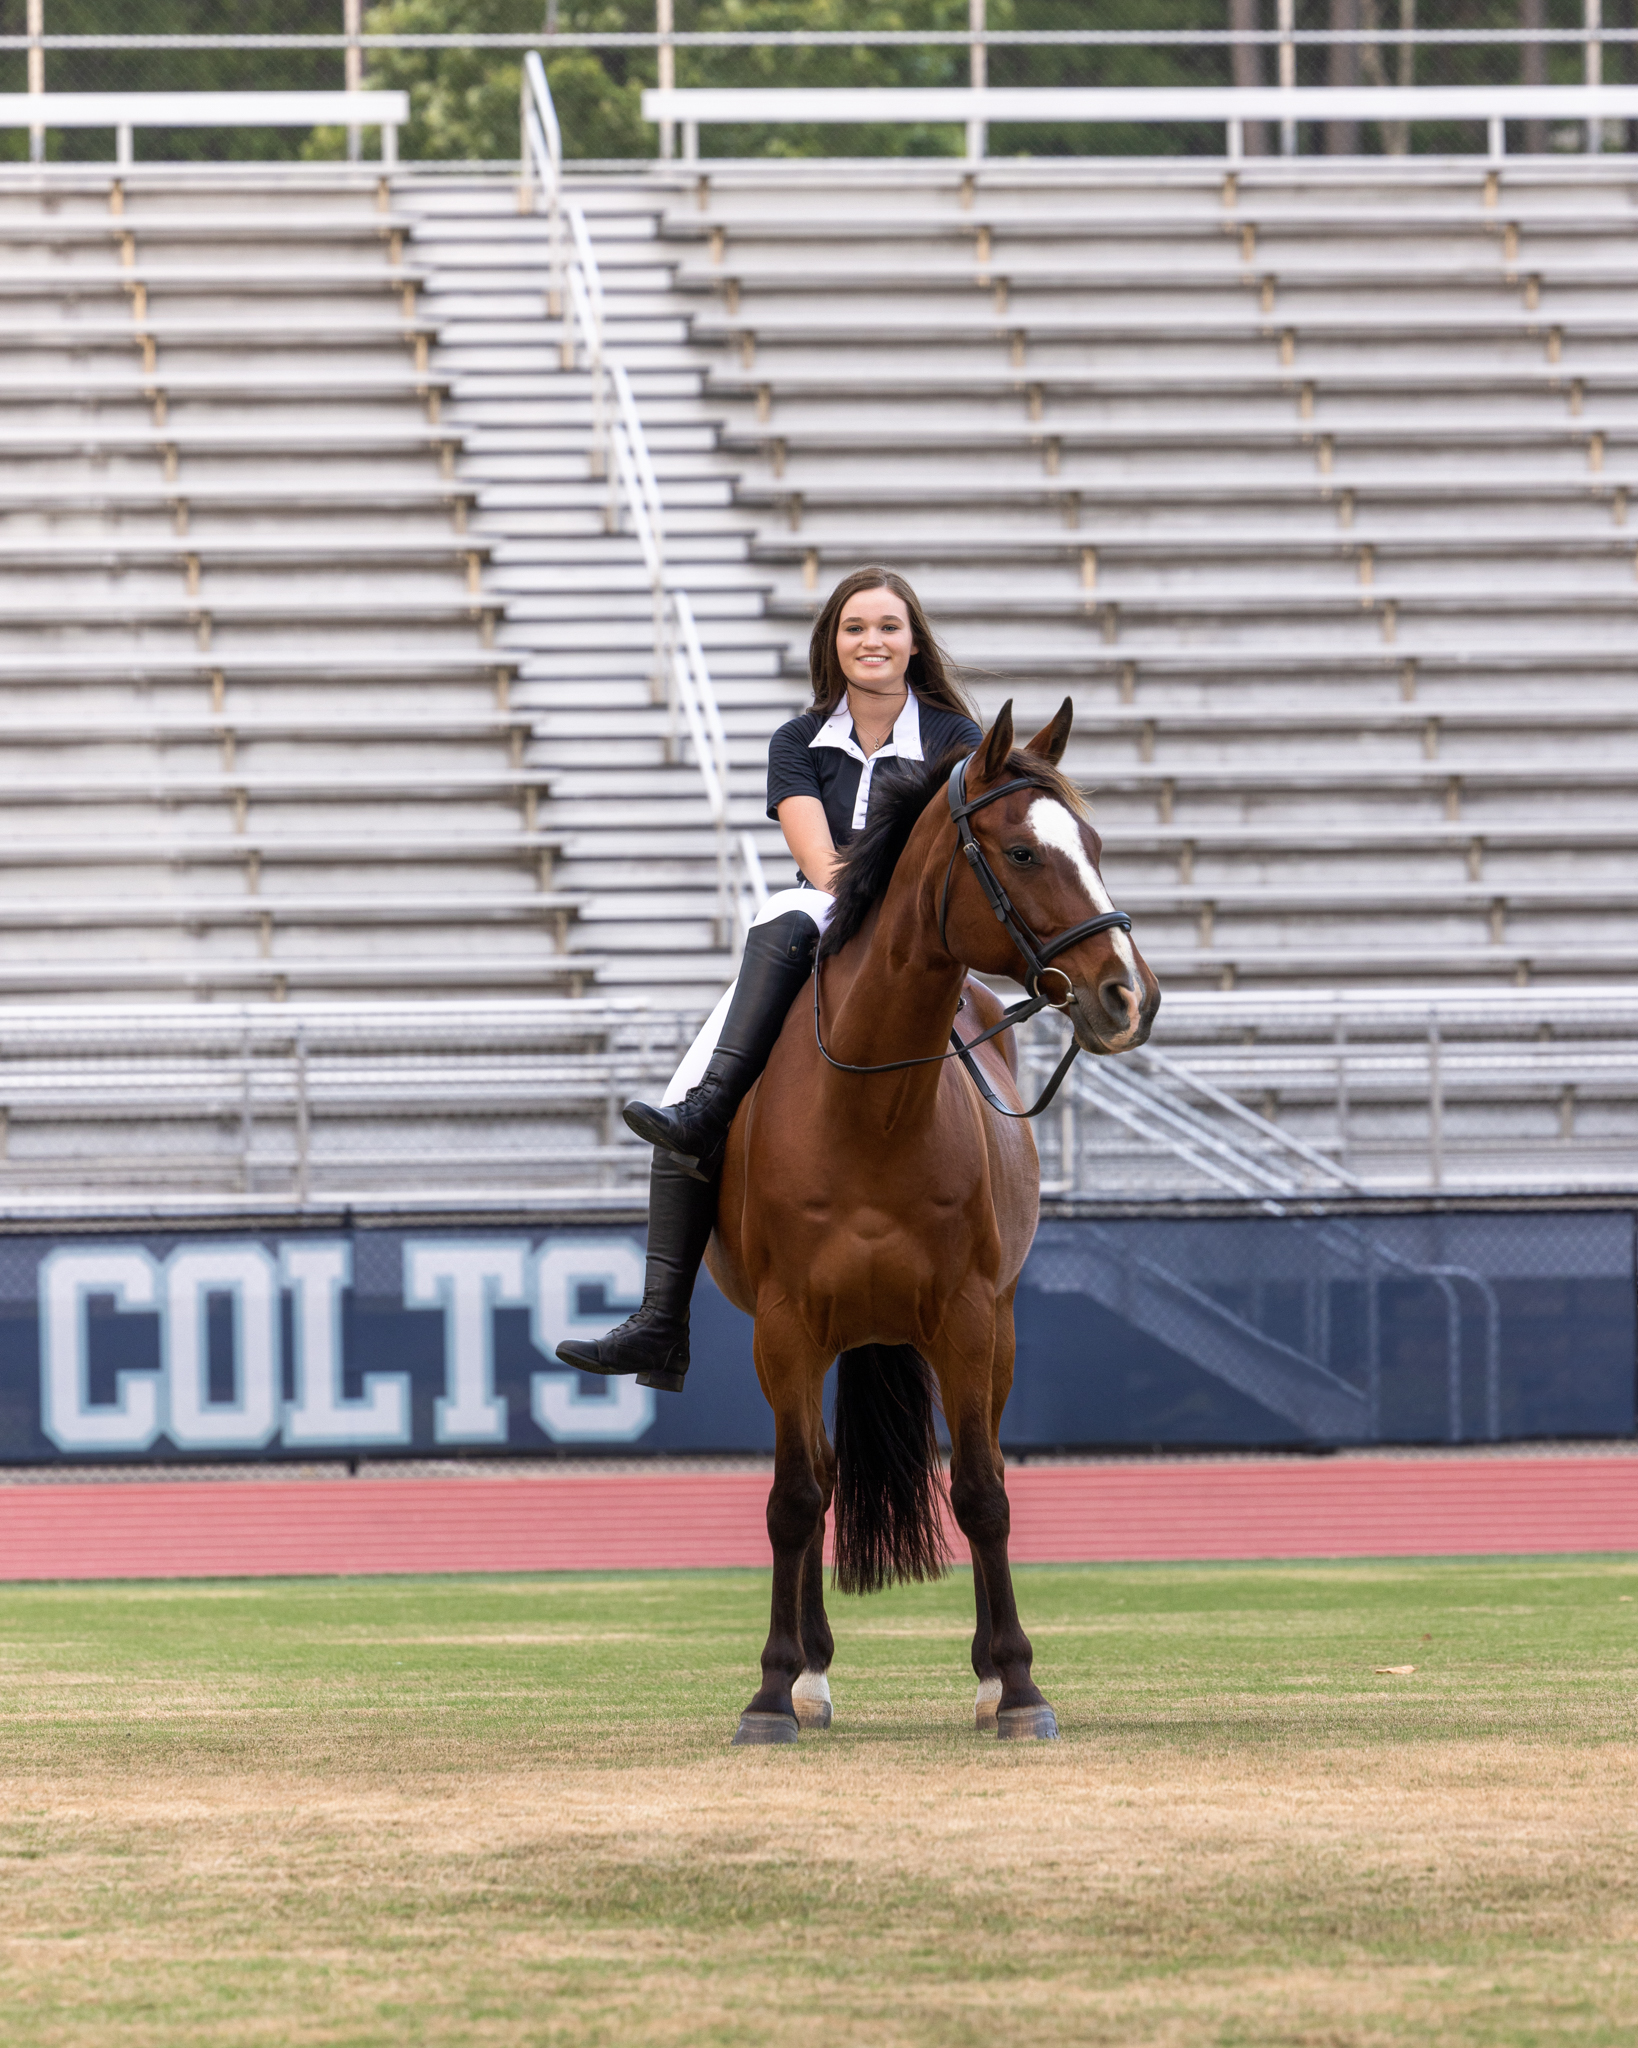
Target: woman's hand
[{"x": 807, "y": 834}]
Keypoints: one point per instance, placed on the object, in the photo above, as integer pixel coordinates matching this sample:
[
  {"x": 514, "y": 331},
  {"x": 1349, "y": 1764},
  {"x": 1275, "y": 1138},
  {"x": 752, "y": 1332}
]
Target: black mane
[{"x": 899, "y": 793}]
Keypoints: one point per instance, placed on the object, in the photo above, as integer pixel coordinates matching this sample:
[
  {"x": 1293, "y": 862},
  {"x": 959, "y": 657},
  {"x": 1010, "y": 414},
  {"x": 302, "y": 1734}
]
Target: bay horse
[{"x": 874, "y": 1211}]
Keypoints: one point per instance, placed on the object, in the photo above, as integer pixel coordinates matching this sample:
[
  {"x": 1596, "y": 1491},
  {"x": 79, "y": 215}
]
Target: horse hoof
[
  {"x": 989, "y": 1698},
  {"x": 811, "y": 1698},
  {"x": 757, "y": 1730},
  {"x": 1027, "y": 1724}
]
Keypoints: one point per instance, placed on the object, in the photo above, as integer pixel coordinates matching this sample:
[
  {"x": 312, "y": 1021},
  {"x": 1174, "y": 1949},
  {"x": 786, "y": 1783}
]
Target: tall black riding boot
[
  {"x": 653, "y": 1343},
  {"x": 777, "y": 962}
]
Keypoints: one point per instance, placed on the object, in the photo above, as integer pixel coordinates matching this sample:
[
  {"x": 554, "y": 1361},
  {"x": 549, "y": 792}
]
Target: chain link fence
[
  {"x": 303, "y": 1102},
  {"x": 460, "y": 60},
  {"x": 1260, "y": 1101}
]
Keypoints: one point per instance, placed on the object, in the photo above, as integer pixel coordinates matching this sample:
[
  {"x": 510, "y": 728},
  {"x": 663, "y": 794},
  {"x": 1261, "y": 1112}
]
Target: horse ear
[
  {"x": 997, "y": 745},
  {"x": 1052, "y": 739}
]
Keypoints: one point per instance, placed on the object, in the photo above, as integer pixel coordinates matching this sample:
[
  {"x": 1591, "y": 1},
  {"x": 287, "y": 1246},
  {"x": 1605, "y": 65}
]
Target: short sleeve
[
  {"x": 791, "y": 768},
  {"x": 944, "y": 731}
]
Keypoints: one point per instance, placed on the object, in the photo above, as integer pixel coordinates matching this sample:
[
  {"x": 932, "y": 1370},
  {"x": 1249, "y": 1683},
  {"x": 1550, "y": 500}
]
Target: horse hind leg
[{"x": 811, "y": 1692}]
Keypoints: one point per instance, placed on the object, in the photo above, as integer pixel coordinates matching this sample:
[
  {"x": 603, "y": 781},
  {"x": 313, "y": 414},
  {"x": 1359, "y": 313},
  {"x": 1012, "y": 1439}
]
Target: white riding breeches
[{"x": 818, "y": 906}]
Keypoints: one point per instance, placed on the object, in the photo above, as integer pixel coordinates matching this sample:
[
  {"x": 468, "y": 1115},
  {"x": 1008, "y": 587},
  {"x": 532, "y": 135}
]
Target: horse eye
[{"x": 1020, "y": 856}]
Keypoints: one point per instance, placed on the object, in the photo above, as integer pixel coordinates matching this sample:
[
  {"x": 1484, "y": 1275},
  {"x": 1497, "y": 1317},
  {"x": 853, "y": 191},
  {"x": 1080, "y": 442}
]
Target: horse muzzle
[{"x": 1115, "y": 1013}]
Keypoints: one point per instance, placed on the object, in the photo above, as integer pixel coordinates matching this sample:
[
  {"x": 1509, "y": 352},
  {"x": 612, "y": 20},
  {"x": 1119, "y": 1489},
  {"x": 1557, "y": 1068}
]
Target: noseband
[{"x": 1037, "y": 956}]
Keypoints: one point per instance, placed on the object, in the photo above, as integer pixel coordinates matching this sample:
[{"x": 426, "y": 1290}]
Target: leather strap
[{"x": 1037, "y": 957}]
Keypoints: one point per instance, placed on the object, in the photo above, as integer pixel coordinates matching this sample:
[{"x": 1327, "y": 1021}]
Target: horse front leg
[
  {"x": 811, "y": 1692},
  {"x": 984, "y": 1666},
  {"x": 974, "y": 1393},
  {"x": 796, "y": 1525}
]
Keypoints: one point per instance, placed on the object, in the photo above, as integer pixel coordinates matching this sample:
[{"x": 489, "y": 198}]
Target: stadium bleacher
[
  {"x": 326, "y": 682},
  {"x": 1310, "y": 480},
  {"x": 259, "y": 734}
]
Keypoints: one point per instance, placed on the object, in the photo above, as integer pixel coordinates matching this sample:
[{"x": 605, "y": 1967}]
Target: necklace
[{"x": 871, "y": 742}]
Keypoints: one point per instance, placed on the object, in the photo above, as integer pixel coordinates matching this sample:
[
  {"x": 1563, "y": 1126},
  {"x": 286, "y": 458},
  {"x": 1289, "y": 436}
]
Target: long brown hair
[{"x": 930, "y": 674}]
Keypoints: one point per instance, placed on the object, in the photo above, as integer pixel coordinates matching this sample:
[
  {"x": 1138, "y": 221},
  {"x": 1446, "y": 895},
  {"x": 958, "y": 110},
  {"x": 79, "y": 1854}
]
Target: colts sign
[{"x": 235, "y": 1345}]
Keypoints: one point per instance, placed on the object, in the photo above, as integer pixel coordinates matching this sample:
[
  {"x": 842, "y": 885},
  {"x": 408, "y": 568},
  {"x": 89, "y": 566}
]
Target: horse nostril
[{"x": 1119, "y": 1000}]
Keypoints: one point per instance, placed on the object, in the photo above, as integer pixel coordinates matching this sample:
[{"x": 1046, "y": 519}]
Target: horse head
[{"x": 1044, "y": 852}]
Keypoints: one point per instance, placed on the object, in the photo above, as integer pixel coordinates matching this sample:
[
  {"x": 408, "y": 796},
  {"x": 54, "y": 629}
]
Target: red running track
[{"x": 583, "y": 1519}]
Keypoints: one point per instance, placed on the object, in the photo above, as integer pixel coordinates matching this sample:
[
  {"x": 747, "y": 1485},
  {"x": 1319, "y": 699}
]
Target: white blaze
[{"x": 1053, "y": 826}]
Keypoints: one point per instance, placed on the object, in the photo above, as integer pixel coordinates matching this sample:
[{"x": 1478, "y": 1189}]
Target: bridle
[{"x": 1038, "y": 956}]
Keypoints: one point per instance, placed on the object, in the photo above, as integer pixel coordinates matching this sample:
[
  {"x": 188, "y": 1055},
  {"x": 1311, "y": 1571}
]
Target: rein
[{"x": 1038, "y": 957}]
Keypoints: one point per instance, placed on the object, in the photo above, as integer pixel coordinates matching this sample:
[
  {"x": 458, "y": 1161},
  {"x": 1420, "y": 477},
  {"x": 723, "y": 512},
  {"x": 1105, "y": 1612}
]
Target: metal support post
[
  {"x": 1342, "y": 1092},
  {"x": 1594, "y": 16},
  {"x": 303, "y": 1129},
  {"x": 665, "y": 26},
  {"x": 1342, "y": 137},
  {"x": 978, "y": 74},
  {"x": 352, "y": 26},
  {"x": 36, "y": 73},
  {"x": 1069, "y": 1145},
  {"x": 1248, "y": 138},
  {"x": 1533, "y": 70},
  {"x": 247, "y": 1107},
  {"x": 1436, "y": 1104},
  {"x": 1373, "y": 1341},
  {"x": 1453, "y": 1361},
  {"x": 1288, "y": 71}
]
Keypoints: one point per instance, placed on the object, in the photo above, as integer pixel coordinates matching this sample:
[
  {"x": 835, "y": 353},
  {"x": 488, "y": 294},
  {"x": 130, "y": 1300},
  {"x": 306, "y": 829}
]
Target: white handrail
[
  {"x": 541, "y": 142},
  {"x": 694, "y": 677},
  {"x": 619, "y": 451},
  {"x": 626, "y": 406}
]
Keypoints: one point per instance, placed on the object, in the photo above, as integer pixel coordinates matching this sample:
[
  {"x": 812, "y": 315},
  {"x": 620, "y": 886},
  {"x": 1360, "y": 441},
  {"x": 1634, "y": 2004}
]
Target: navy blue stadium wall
[{"x": 363, "y": 1342}]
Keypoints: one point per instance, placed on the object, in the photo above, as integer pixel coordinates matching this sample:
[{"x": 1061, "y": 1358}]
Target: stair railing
[
  {"x": 1251, "y": 1157},
  {"x": 542, "y": 166},
  {"x": 619, "y": 453}
]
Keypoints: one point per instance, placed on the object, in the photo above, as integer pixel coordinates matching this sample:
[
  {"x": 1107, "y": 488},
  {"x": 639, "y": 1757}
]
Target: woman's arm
[{"x": 807, "y": 834}]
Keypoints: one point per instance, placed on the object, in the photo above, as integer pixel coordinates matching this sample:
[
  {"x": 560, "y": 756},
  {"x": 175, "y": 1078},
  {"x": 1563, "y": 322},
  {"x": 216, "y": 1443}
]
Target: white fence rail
[
  {"x": 681, "y": 677},
  {"x": 1378, "y": 48},
  {"x": 126, "y": 112},
  {"x": 1227, "y": 107},
  {"x": 1277, "y": 1095},
  {"x": 519, "y": 1101}
]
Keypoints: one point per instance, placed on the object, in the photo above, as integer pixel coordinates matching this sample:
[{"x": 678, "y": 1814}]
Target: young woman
[{"x": 881, "y": 689}]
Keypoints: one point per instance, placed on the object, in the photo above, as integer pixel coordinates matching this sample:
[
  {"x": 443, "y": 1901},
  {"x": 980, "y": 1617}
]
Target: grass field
[{"x": 505, "y": 1811}]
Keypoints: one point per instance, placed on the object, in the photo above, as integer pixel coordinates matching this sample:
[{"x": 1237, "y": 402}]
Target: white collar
[{"x": 904, "y": 742}]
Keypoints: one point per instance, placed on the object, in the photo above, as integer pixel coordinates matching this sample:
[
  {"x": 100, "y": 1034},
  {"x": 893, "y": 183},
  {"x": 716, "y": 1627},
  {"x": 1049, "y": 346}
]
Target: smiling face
[{"x": 874, "y": 642}]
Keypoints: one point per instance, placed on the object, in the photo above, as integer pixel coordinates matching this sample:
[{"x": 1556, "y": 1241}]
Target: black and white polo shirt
[{"x": 816, "y": 756}]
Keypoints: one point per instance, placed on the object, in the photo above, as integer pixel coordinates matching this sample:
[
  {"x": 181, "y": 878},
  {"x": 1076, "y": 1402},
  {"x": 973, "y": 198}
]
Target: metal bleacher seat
[
  {"x": 262, "y": 741},
  {"x": 1309, "y": 480}
]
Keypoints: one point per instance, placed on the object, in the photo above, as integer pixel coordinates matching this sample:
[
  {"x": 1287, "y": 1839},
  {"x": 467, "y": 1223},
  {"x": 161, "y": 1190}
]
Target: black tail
[{"x": 889, "y": 1524}]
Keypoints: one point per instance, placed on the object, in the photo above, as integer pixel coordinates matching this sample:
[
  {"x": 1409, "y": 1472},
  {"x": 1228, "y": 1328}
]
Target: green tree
[
  {"x": 176, "y": 70},
  {"x": 464, "y": 103}
]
